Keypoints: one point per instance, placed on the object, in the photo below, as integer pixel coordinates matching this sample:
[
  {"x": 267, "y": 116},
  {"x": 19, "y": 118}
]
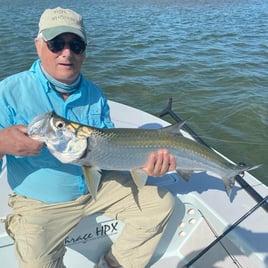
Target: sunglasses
[{"x": 57, "y": 44}]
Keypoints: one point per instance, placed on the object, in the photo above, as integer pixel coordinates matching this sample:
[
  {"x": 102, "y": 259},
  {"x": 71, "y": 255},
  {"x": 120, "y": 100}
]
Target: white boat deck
[{"x": 202, "y": 213}]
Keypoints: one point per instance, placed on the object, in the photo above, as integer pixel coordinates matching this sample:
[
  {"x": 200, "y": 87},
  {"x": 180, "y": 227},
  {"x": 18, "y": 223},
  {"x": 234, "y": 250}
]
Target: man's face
[{"x": 63, "y": 65}]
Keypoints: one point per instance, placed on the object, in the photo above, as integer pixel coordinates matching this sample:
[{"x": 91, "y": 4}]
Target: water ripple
[{"x": 211, "y": 56}]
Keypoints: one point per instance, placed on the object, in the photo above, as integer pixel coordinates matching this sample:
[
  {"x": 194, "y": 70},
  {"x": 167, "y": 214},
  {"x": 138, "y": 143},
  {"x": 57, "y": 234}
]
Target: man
[{"x": 50, "y": 198}]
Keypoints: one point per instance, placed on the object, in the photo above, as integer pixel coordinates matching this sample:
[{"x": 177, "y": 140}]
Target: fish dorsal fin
[
  {"x": 139, "y": 177},
  {"x": 92, "y": 177},
  {"x": 174, "y": 129}
]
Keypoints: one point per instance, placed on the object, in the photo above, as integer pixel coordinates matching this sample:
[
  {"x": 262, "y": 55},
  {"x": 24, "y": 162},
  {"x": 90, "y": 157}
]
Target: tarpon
[{"x": 127, "y": 149}]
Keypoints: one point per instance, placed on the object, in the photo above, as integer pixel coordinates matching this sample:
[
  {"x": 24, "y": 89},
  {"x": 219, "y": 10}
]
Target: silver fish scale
[
  {"x": 114, "y": 149},
  {"x": 128, "y": 149}
]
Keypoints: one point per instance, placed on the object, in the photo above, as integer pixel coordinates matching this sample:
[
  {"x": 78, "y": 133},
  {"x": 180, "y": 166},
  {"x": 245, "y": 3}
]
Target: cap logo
[{"x": 61, "y": 15}]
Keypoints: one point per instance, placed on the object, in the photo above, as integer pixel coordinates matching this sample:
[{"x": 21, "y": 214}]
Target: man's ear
[{"x": 38, "y": 45}]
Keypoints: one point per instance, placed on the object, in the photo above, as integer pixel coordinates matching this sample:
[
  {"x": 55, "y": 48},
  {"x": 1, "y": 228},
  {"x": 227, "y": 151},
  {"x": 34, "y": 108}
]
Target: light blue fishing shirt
[{"x": 28, "y": 94}]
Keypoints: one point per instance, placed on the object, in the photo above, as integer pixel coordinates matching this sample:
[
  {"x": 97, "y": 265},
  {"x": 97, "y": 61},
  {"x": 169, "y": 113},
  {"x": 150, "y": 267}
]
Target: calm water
[{"x": 210, "y": 56}]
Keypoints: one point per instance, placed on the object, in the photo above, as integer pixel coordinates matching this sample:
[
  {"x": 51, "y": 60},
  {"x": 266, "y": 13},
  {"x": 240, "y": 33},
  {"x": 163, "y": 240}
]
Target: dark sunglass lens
[
  {"x": 55, "y": 45},
  {"x": 77, "y": 46}
]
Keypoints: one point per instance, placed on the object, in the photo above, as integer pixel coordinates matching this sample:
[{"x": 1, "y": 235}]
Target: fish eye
[{"x": 59, "y": 124}]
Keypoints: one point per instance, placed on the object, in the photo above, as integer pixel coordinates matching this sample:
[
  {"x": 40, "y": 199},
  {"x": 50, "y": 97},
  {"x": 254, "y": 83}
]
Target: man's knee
[
  {"x": 164, "y": 201},
  {"x": 159, "y": 206},
  {"x": 167, "y": 201}
]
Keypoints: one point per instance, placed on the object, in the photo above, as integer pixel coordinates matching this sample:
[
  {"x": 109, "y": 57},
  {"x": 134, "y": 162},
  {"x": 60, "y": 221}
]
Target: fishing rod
[
  {"x": 248, "y": 188},
  {"x": 198, "y": 256}
]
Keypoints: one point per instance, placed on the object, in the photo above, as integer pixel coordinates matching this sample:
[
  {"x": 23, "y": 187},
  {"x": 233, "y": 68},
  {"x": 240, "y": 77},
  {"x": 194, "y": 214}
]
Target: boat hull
[{"x": 202, "y": 213}]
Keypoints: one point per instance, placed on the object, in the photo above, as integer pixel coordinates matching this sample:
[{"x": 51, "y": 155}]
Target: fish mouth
[{"x": 38, "y": 127}]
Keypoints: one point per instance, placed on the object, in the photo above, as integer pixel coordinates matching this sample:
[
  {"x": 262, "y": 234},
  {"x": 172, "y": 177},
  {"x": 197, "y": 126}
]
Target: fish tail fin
[
  {"x": 229, "y": 182},
  {"x": 248, "y": 168},
  {"x": 243, "y": 167}
]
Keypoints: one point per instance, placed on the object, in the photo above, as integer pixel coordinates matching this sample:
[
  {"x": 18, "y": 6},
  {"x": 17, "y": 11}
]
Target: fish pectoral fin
[
  {"x": 92, "y": 177},
  {"x": 185, "y": 174},
  {"x": 139, "y": 177}
]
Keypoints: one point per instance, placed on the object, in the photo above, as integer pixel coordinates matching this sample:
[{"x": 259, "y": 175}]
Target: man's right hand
[{"x": 15, "y": 141}]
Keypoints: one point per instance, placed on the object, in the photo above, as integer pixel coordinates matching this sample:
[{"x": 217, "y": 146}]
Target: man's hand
[
  {"x": 15, "y": 141},
  {"x": 159, "y": 163}
]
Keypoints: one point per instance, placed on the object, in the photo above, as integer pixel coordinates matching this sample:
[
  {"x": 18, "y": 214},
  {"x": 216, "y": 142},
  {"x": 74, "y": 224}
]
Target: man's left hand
[{"x": 159, "y": 163}]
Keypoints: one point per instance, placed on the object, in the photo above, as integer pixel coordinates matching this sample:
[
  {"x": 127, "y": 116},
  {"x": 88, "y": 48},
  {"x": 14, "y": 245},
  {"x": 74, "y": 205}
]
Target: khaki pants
[{"x": 39, "y": 229}]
